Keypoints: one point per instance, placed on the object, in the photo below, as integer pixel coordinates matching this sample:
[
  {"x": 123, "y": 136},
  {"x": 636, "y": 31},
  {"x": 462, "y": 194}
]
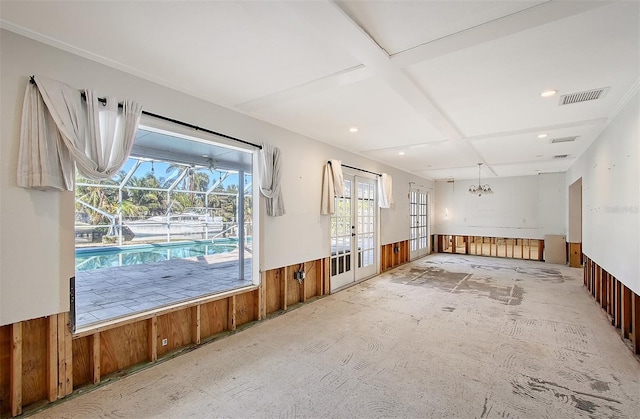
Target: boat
[{"x": 186, "y": 223}]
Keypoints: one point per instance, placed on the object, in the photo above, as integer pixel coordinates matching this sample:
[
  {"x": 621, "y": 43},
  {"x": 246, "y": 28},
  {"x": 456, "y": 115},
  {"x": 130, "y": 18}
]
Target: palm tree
[{"x": 153, "y": 201}]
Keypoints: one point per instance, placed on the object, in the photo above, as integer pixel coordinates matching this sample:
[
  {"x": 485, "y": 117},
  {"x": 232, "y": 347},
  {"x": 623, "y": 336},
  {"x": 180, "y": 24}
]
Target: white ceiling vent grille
[
  {"x": 563, "y": 140},
  {"x": 585, "y": 96},
  {"x": 560, "y": 156}
]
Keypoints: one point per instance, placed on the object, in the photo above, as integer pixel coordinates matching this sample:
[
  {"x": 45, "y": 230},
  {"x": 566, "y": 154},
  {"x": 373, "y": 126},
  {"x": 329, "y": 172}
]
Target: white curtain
[
  {"x": 58, "y": 129},
  {"x": 270, "y": 170},
  {"x": 385, "y": 197},
  {"x": 332, "y": 186}
]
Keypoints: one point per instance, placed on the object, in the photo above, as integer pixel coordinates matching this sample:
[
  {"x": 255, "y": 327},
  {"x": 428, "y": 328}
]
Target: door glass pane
[
  {"x": 366, "y": 237},
  {"x": 418, "y": 216},
  {"x": 341, "y": 222}
]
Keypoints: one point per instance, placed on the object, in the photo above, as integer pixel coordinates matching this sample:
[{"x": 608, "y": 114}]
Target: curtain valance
[{"x": 60, "y": 129}]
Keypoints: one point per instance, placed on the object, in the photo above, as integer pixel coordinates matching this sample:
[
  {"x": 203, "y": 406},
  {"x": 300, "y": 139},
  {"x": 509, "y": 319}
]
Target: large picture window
[{"x": 175, "y": 224}]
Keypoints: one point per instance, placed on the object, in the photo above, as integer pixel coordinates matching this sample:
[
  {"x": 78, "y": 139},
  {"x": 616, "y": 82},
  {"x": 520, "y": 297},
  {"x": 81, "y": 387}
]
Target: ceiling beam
[
  {"x": 323, "y": 84},
  {"x": 508, "y": 25},
  {"x": 335, "y": 25},
  {"x": 521, "y": 21}
]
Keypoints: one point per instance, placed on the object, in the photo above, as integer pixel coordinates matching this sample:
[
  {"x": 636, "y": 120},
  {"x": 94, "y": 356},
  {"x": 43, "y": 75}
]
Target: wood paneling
[
  {"x": 5, "y": 367},
  {"x": 310, "y": 282},
  {"x": 626, "y": 306},
  {"x": 635, "y": 323},
  {"x": 123, "y": 347},
  {"x": 618, "y": 301},
  {"x": 176, "y": 328},
  {"x": 43, "y": 361},
  {"x": 394, "y": 254},
  {"x": 82, "y": 361},
  {"x": 195, "y": 325},
  {"x": 246, "y": 308},
  {"x": 213, "y": 317},
  {"x": 35, "y": 359},
  {"x": 293, "y": 286},
  {"x": 575, "y": 255},
  {"x": 273, "y": 282},
  {"x": 65, "y": 356},
  {"x": 15, "y": 369},
  {"x": 494, "y": 246}
]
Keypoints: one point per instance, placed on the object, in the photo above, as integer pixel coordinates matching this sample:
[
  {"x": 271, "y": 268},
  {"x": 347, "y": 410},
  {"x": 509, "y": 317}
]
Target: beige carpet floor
[{"x": 445, "y": 336}]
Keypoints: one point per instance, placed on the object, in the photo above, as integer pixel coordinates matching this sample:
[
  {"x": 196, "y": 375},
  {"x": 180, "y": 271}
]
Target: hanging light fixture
[{"x": 480, "y": 189}]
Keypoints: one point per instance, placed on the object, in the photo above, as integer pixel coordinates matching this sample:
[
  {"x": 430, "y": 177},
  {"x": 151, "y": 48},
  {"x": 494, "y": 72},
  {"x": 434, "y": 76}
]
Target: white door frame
[
  {"x": 419, "y": 237},
  {"x": 355, "y": 225}
]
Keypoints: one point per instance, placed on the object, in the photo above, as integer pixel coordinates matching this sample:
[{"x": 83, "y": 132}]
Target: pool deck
[{"x": 109, "y": 293}]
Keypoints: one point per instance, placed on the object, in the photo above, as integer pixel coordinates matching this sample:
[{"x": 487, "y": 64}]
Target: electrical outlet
[{"x": 165, "y": 342}]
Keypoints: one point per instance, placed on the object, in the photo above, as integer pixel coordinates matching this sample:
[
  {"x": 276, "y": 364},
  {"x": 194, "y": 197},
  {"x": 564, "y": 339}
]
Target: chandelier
[{"x": 480, "y": 189}]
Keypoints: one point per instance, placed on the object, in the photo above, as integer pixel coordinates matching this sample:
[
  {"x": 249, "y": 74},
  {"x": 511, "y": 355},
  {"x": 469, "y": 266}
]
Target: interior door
[
  {"x": 353, "y": 233},
  {"x": 419, "y": 221}
]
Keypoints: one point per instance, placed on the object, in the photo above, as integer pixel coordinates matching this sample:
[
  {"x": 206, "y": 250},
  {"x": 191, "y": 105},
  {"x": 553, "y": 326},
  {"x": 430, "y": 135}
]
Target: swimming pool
[{"x": 107, "y": 257}]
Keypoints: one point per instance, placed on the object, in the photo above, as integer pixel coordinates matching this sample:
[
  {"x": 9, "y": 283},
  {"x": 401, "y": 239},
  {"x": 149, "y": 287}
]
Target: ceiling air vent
[
  {"x": 563, "y": 140},
  {"x": 585, "y": 96},
  {"x": 560, "y": 156}
]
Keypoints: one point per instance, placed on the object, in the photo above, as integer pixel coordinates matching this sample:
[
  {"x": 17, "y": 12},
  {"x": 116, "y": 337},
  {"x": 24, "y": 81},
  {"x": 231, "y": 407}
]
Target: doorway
[
  {"x": 354, "y": 233},
  {"x": 419, "y": 223},
  {"x": 575, "y": 224}
]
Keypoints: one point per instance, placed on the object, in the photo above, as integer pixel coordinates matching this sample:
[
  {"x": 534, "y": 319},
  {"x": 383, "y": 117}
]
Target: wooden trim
[
  {"x": 52, "y": 358},
  {"x": 64, "y": 367},
  {"x": 152, "y": 339},
  {"x": 598, "y": 286},
  {"x": 15, "y": 380},
  {"x": 625, "y": 326},
  {"x": 195, "y": 324},
  {"x": 635, "y": 324},
  {"x": 327, "y": 276},
  {"x": 303, "y": 290},
  {"x": 160, "y": 311},
  {"x": 232, "y": 313},
  {"x": 95, "y": 358},
  {"x": 262, "y": 296},
  {"x": 604, "y": 290},
  {"x": 320, "y": 277},
  {"x": 285, "y": 276},
  {"x": 617, "y": 318}
]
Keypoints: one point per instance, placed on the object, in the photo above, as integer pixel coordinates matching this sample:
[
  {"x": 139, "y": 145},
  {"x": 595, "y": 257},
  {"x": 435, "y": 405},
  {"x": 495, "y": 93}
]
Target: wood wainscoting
[
  {"x": 621, "y": 305},
  {"x": 505, "y": 247},
  {"x": 394, "y": 254},
  {"x": 575, "y": 255},
  {"x": 41, "y": 361}
]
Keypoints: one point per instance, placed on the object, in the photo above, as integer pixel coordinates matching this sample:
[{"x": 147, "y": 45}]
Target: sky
[{"x": 160, "y": 171}]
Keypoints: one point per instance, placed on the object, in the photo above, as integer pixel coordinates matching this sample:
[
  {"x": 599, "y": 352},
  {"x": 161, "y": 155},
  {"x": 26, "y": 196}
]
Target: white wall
[
  {"x": 521, "y": 207},
  {"x": 36, "y": 228},
  {"x": 610, "y": 196}
]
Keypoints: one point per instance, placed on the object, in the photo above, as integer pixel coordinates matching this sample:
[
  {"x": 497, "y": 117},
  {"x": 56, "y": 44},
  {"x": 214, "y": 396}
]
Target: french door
[
  {"x": 419, "y": 219},
  {"x": 353, "y": 233}
]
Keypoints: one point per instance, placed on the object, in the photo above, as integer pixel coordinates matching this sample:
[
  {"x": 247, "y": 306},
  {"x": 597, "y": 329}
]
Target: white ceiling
[{"x": 449, "y": 83}]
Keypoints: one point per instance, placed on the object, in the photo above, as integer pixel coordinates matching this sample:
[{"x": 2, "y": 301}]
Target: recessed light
[
  {"x": 542, "y": 135},
  {"x": 353, "y": 129},
  {"x": 548, "y": 93},
  {"x": 401, "y": 153},
  {"x": 205, "y": 155}
]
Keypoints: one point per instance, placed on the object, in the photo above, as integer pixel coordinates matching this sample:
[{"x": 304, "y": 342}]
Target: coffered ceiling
[{"x": 433, "y": 87}]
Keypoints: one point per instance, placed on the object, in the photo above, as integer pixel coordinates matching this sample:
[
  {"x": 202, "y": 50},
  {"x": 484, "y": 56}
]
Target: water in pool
[{"x": 108, "y": 257}]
